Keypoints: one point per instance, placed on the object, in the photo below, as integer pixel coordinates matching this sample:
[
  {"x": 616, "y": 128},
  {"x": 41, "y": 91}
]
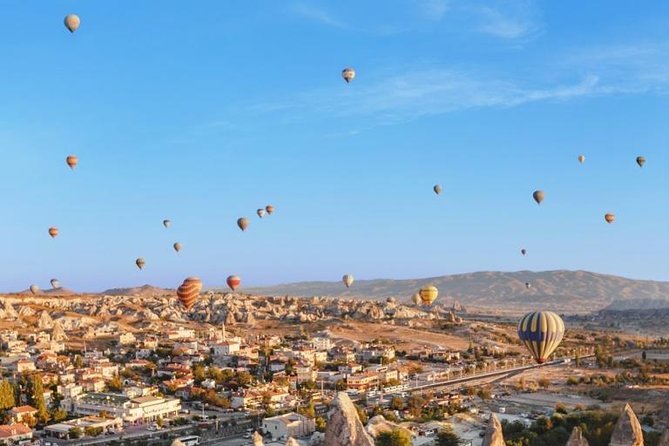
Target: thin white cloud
[
  {"x": 434, "y": 10},
  {"x": 497, "y": 24},
  {"x": 318, "y": 15}
]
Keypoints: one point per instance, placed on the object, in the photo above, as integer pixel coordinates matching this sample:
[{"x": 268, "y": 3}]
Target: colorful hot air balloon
[
  {"x": 541, "y": 332},
  {"x": 348, "y": 74},
  {"x": 55, "y": 284},
  {"x": 523, "y": 251},
  {"x": 348, "y": 280},
  {"x": 416, "y": 299},
  {"x": 243, "y": 223},
  {"x": 233, "y": 282},
  {"x": 428, "y": 294},
  {"x": 260, "y": 212},
  {"x": 72, "y": 161},
  {"x": 72, "y": 22},
  {"x": 167, "y": 223},
  {"x": 437, "y": 189},
  {"x": 610, "y": 218},
  {"x": 270, "y": 209},
  {"x": 140, "y": 263},
  {"x": 640, "y": 160},
  {"x": 581, "y": 159},
  {"x": 177, "y": 246},
  {"x": 189, "y": 291},
  {"x": 34, "y": 289},
  {"x": 538, "y": 196},
  {"x": 53, "y": 232}
]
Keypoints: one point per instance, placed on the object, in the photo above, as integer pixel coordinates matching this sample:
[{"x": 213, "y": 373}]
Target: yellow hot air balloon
[
  {"x": 189, "y": 291},
  {"x": 428, "y": 294},
  {"x": 541, "y": 332},
  {"x": 140, "y": 263},
  {"x": 640, "y": 160},
  {"x": 243, "y": 223},
  {"x": 538, "y": 196},
  {"x": 72, "y": 161},
  {"x": 610, "y": 218},
  {"x": 437, "y": 189},
  {"x": 581, "y": 159},
  {"x": 177, "y": 246},
  {"x": 72, "y": 22},
  {"x": 348, "y": 74},
  {"x": 53, "y": 232},
  {"x": 348, "y": 280}
]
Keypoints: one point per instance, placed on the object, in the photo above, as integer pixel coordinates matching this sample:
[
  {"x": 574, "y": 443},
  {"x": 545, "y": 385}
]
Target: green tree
[
  {"x": 59, "y": 415},
  {"x": 91, "y": 431},
  {"x": 7, "y": 395},
  {"x": 396, "y": 437},
  {"x": 447, "y": 437},
  {"x": 321, "y": 424},
  {"x": 199, "y": 373},
  {"x": 115, "y": 384},
  {"x": 74, "y": 433},
  {"x": 78, "y": 362},
  {"x": 341, "y": 385},
  {"x": 36, "y": 397},
  {"x": 396, "y": 403}
]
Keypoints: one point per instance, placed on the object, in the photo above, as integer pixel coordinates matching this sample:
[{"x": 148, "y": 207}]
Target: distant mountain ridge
[
  {"x": 144, "y": 290},
  {"x": 560, "y": 290}
]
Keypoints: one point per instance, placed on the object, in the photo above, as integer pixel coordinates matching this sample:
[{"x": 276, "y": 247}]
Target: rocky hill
[{"x": 563, "y": 291}]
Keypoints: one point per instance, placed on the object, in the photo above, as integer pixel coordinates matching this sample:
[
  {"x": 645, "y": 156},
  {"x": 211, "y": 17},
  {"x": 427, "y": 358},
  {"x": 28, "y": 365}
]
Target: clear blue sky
[{"x": 203, "y": 111}]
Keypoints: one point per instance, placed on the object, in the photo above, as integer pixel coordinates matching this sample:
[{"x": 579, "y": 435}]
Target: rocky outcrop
[
  {"x": 292, "y": 442},
  {"x": 627, "y": 431},
  {"x": 493, "y": 433},
  {"x": 576, "y": 438},
  {"x": 44, "y": 322},
  {"x": 58, "y": 334},
  {"x": 256, "y": 438},
  {"x": 344, "y": 425},
  {"x": 378, "y": 424}
]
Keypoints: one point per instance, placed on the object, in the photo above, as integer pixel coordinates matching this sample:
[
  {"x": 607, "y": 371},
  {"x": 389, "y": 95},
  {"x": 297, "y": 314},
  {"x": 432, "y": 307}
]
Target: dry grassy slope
[{"x": 564, "y": 291}]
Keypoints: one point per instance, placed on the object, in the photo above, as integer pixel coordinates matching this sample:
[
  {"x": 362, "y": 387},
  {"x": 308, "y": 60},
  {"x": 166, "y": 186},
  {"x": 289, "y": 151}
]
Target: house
[
  {"x": 289, "y": 425},
  {"x": 21, "y": 413},
  {"x": 62, "y": 430},
  {"x": 305, "y": 373},
  {"x": 132, "y": 410},
  {"x": 23, "y": 366},
  {"x": 362, "y": 381},
  {"x": 15, "y": 433},
  {"x": 126, "y": 338},
  {"x": 226, "y": 348}
]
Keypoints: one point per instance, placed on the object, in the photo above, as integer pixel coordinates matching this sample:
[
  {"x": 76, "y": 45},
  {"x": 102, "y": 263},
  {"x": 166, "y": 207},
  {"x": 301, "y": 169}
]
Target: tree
[
  {"x": 341, "y": 385},
  {"x": 447, "y": 437},
  {"x": 36, "y": 397},
  {"x": 115, "y": 384},
  {"x": 396, "y": 403},
  {"x": 74, "y": 433},
  {"x": 7, "y": 395},
  {"x": 78, "y": 362},
  {"x": 644, "y": 355},
  {"x": 199, "y": 373},
  {"x": 59, "y": 415},
  {"x": 577, "y": 359},
  {"x": 396, "y": 437},
  {"x": 91, "y": 431},
  {"x": 544, "y": 382},
  {"x": 321, "y": 424}
]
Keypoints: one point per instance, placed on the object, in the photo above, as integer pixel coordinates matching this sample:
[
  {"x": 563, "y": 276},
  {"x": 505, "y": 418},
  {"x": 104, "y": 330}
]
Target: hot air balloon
[
  {"x": 348, "y": 280},
  {"x": 640, "y": 160},
  {"x": 437, "y": 189},
  {"x": 541, "y": 332},
  {"x": 72, "y": 161},
  {"x": 233, "y": 282},
  {"x": 34, "y": 289},
  {"x": 416, "y": 299},
  {"x": 188, "y": 291},
  {"x": 610, "y": 218},
  {"x": 55, "y": 284},
  {"x": 260, "y": 212},
  {"x": 523, "y": 251},
  {"x": 348, "y": 74},
  {"x": 270, "y": 209},
  {"x": 177, "y": 246},
  {"x": 53, "y": 232},
  {"x": 428, "y": 294},
  {"x": 72, "y": 22},
  {"x": 167, "y": 223},
  {"x": 581, "y": 159},
  {"x": 140, "y": 263},
  {"x": 528, "y": 285},
  {"x": 243, "y": 223},
  {"x": 538, "y": 196}
]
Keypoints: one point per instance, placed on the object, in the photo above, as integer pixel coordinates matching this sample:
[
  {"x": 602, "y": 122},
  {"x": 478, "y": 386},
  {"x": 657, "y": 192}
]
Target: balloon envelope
[
  {"x": 640, "y": 160},
  {"x": 177, "y": 246},
  {"x": 523, "y": 251},
  {"x": 348, "y": 280},
  {"x": 53, "y": 231},
  {"x": 416, "y": 299},
  {"x": 55, "y": 284},
  {"x": 233, "y": 282},
  {"x": 260, "y": 212},
  {"x": 538, "y": 196},
  {"x": 348, "y": 74},
  {"x": 541, "y": 332},
  {"x": 72, "y": 161},
  {"x": 34, "y": 289},
  {"x": 167, "y": 223},
  {"x": 437, "y": 189},
  {"x": 72, "y": 22},
  {"x": 428, "y": 294},
  {"x": 581, "y": 159},
  {"x": 610, "y": 218},
  {"x": 270, "y": 209},
  {"x": 140, "y": 263},
  {"x": 528, "y": 285},
  {"x": 243, "y": 223},
  {"x": 189, "y": 291}
]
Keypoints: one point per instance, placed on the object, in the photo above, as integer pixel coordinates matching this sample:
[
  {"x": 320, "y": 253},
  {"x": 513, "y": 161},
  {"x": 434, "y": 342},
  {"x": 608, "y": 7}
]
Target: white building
[
  {"x": 140, "y": 409},
  {"x": 289, "y": 425},
  {"x": 226, "y": 348}
]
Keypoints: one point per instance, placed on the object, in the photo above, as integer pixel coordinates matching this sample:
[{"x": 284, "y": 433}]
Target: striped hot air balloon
[
  {"x": 233, "y": 282},
  {"x": 541, "y": 332},
  {"x": 189, "y": 291},
  {"x": 428, "y": 294}
]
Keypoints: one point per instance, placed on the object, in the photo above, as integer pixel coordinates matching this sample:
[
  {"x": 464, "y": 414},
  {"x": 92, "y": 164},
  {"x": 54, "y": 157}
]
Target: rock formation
[
  {"x": 493, "y": 433},
  {"x": 345, "y": 425},
  {"x": 292, "y": 442},
  {"x": 664, "y": 439},
  {"x": 378, "y": 424},
  {"x": 576, "y": 438},
  {"x": 256, "y": 438},
  {"x": 58, "y": 334},
  {"x": 44, "y": 321},
  {"x": 628, "y": 429}
]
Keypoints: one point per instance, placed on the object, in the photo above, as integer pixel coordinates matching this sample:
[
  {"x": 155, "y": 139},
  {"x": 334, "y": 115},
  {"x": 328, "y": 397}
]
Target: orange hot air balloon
[
  {"x": 72, "y": 161},
  {"x": 189, "y": 291},
  {"x": 177, "y": 246},
  {"x": 610, "y": 218},
  {"x": 243, "y": 223},
  {"x": 233, "y": 282},
  {"x": 53, "y": 232},
  {"x": 538, "y": 196},
  {"x": 270, "y": 209},
  {"x": 140, "y": 263},
  {"x": 72, "y": 22}
]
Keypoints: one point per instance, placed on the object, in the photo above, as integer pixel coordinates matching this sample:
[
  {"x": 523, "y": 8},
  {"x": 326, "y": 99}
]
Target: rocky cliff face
[
  {"x": 628, "y": 429},
  {"x": 576, "y": 438},
  {"x": 493, "y": 433},
  {"x": 344, "y": 426}
]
